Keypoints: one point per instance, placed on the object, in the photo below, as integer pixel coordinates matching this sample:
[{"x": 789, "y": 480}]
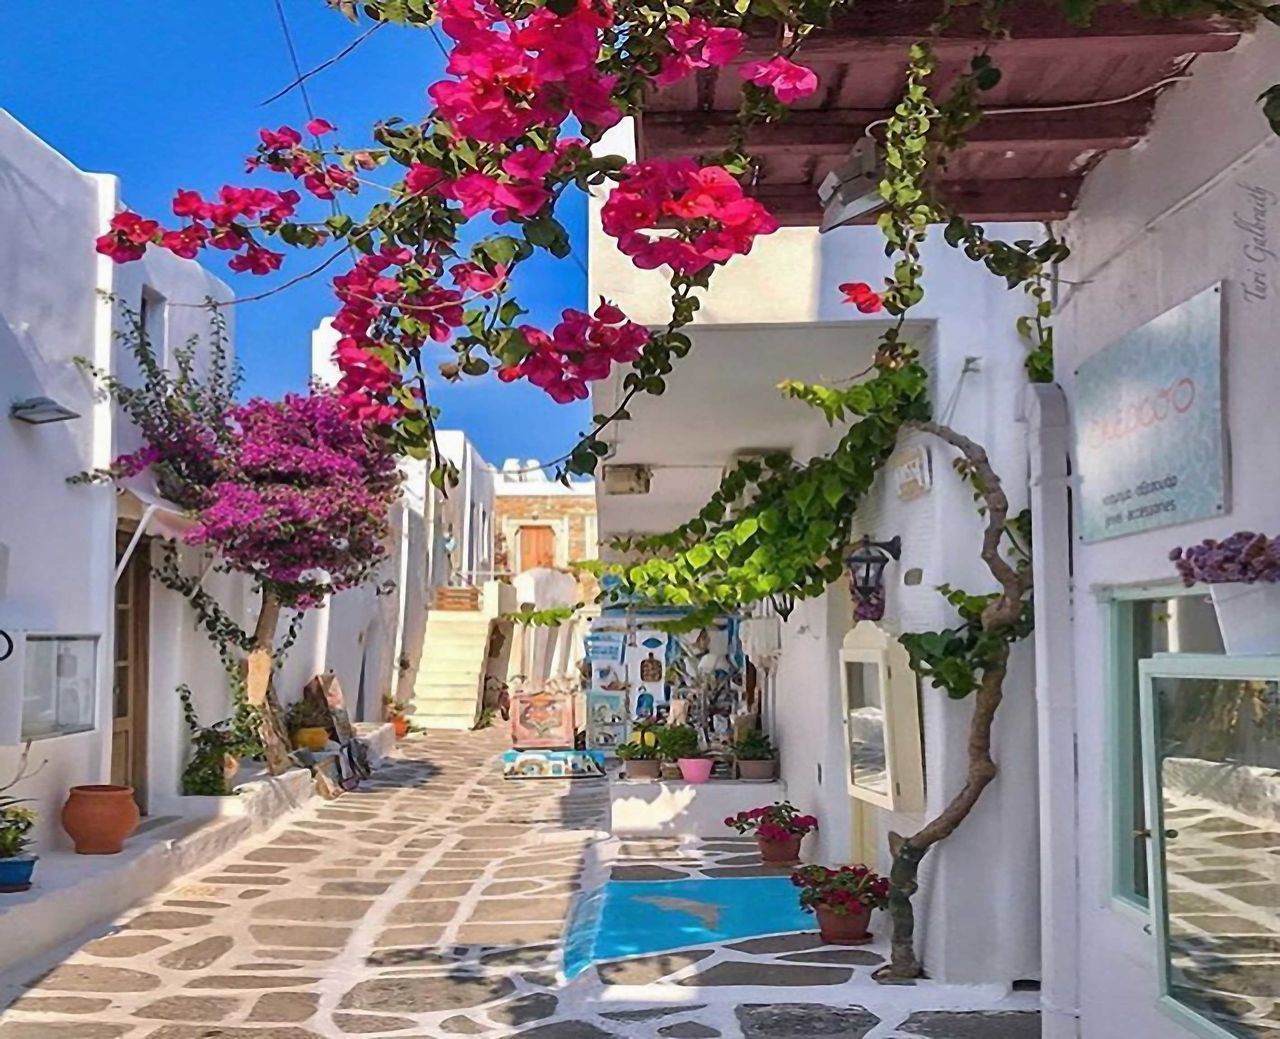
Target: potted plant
[
  {"x": 308, "y": 724},
  {"x": 1243, "y": 574},
  {"x": 16, "y": 863},
  {"x": 778, "y": 828},
  {"x": 640, "y": 759},
  {"x": 679, "y": 743},
  {"x": 842, "y": 899},
  {"x": 755, "y": 756},
  {"x": 394, "y": 712},
  {"x": 216, "y": 749}
]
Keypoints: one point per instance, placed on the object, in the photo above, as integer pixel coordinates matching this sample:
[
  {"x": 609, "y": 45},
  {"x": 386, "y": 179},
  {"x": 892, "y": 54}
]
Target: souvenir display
[
  {"x": 542, "y": 720},
  {"x": 553, "y": 764}
]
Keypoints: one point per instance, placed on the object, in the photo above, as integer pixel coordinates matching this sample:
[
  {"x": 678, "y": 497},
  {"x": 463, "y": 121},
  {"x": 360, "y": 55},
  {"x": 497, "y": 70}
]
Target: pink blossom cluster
[
  {"x": 697, "y": 44},
  {"x": 301, "y": 497},
  {"x": 511, "y": 76},
  {"x": 282, "y": 151},
  {"x": 713, "y": 217},
  {"x": 789, "y": 80},
  {"x": 583, "y": 348}
]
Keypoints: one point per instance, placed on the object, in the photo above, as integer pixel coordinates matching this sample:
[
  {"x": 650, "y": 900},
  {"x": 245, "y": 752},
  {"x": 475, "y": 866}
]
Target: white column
[{"x": 1049, "y": 443}]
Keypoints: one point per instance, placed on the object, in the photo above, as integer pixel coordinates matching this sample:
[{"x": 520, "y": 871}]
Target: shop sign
[{"x": 1149, "y": 424}]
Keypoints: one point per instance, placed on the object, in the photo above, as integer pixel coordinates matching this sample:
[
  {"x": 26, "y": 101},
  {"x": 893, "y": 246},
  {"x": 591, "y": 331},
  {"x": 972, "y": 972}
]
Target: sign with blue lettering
[{"x": 1150, "y": 430}]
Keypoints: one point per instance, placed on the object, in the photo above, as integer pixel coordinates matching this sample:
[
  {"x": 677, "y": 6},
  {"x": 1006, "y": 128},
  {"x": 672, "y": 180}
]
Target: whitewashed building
[
  {"x": 1125, "y": 866},
  {"x": 75, "y": 588}
]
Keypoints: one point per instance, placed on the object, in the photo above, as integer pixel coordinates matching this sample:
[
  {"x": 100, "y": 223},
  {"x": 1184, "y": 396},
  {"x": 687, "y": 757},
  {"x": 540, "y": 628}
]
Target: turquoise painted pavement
[{"x": 634, "y": 917}]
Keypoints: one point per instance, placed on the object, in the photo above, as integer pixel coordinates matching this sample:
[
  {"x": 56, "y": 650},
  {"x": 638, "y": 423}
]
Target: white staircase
[{"x": 449, "y": 691}]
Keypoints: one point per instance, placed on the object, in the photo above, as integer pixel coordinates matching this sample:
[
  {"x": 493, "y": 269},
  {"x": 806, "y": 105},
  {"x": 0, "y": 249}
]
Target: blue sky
[{"x": 168, "y": 95}]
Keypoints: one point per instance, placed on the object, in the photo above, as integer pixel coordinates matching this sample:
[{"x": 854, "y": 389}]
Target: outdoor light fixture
[
  {"x": 852, "y": 189},
  {"x": 783, "y": 604},
  {"x": 38, "y": 411},
  {"x": 627, "y": 479},
  {"x": 866, "y": 565}
]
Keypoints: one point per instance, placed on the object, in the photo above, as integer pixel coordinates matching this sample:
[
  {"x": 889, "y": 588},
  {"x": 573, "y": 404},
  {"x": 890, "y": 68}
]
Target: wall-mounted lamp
[
  {"x": 783, "y": 603},
  {"x": 866, "y": 565},
  {"x": 38, "y": 411}
]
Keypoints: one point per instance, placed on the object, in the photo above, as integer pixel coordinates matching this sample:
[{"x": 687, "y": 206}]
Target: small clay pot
[
  {"x": 757, "y": 770},
  {"x": 311, "y": 737},
  {"x": 98, "y": 818},
  {"x": 695, "y": 770},
  {"x": 780, "y": 853},
  {"x": 230, "y": 767},
  {"x": 643, "y": 769},
  {"x": 401, "y": 723},
  {"x": 844, "y": 928},
  {"x": 669, "y": 770}
]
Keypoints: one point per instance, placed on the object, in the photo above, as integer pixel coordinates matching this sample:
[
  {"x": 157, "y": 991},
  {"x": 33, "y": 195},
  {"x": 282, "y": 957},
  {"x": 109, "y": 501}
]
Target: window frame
[
  {"x": 1121, "y": 689},
  {"x": 1180, "y": 665}
]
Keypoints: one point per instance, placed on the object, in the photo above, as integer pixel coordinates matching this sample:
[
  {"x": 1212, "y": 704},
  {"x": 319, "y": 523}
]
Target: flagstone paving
[{"x": 431, "y": 903}]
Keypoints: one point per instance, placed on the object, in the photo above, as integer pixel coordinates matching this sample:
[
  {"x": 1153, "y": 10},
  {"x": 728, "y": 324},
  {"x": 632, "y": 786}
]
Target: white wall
[
  {"x": 468, "y": 509},
  {"x": 1155, "y": 226},
  {"x": 972, "y": 929}
]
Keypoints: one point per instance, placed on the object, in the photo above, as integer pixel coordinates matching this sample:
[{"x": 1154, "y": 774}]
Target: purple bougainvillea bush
[{"x": 1243, "y": 558}]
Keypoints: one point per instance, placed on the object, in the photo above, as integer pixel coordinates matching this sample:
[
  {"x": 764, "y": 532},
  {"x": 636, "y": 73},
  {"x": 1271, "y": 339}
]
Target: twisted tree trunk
[
  {"x": 1002, "y": 612},
  {"x": 271, "y": 725}
]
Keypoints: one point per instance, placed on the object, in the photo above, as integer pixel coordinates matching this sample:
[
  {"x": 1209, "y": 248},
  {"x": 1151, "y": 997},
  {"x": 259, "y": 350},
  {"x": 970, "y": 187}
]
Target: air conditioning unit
[
  {"x": 627, "y": 479},
  {"x": 852, "y": 189}
]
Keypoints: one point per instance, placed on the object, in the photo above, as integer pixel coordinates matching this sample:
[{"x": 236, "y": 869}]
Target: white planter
[{"x": 1249, "y": 616}]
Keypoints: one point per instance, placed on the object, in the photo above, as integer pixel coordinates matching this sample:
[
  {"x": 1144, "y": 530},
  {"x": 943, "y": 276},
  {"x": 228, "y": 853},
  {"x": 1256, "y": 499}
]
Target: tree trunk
[
  {"x": 271, "y": 726},
  {"x": 1003, "y": 612}
]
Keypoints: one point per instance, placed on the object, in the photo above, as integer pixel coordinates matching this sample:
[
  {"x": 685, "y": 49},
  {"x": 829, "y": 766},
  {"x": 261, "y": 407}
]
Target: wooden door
[
  {"x": 130, "y": 672},
  {"x": 537, "y": 547}
]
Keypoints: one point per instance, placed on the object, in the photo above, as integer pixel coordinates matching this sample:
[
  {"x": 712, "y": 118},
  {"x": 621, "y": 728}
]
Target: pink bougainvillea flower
[
  {"x": 528, "y": 164},
  {"x": 862, "y": 296},
  {"x": 319, "y": 127},
  {"x": 788, "y": 80},
  {"x": 282, "y": 139},
  {"x": 697, "y": 44},
  {"x": 421, "y": 178}
]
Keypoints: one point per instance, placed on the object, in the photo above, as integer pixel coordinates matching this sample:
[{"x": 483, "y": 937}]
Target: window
[
  {"x": 58, "y": 690},
  {"x": 883, "y": 754},
  {"x": 1211, "y": 727},
  {"x": 1173, "y": 621}
]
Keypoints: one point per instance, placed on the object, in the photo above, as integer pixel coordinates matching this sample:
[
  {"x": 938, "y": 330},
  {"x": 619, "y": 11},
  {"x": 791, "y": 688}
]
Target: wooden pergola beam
[
  {"x": 833, "y": 133},
  {"x": 1029, "y": 29},
  {"x": 1049, "y": 198}
]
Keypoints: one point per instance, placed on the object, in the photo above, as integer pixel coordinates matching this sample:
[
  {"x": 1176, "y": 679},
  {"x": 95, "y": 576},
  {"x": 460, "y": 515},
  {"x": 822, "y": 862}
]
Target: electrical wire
[{"x": 1072, "y": 107}]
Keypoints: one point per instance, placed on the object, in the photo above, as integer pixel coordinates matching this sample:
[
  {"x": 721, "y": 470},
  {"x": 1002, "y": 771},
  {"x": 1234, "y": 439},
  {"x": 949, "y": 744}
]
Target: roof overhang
[{"x": 1020, "y": 166}]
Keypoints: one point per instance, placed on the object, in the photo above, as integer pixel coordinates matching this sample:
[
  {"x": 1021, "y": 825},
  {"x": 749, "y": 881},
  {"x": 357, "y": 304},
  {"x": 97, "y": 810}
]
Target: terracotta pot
[
  {"x": 643, "y": 769},
  {"x": 311, "y": 737},
  {"x": 669, "y": 770},
  {"x": 765, "y": 769},
  {"x": 401, "y": 722},
  {"x": 780, "y": 852},
  {"x": 844, "y": 928},
  {"x": 98, "y": 818},
  {"x": 230, "y": 766},
  {"x": 695, "y": 770}
]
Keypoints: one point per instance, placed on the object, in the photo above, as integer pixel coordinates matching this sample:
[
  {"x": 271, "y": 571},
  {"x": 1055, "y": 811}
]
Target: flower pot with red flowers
[
  {"x": 778, "y": 828},
  {"x": 842, "y": 900}
]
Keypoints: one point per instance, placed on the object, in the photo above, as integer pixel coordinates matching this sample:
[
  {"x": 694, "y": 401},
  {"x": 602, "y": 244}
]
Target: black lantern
[
  {"x": 866, "y": 565},
  {"x": 783, "y": 603}
]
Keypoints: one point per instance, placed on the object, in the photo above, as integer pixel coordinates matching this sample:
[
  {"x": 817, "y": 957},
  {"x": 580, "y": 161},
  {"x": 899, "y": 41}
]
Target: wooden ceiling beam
[
  {"x": 1031, "y": 29},
  {"x": 833, "y": 133},
  {"x": 1029, "y": 199}
]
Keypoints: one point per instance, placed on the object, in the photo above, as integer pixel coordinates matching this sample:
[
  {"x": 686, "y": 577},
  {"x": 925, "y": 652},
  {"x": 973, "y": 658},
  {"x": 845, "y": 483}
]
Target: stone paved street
[{"x": 431, "y": 903}]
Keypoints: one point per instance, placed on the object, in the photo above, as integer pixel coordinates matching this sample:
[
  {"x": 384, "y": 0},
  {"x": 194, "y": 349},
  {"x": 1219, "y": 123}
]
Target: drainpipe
[{"x": 1049, "y": 440}]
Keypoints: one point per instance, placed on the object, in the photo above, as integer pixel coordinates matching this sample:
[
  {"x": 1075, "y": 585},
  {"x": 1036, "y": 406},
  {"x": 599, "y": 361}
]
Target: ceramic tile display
[
  {"x": 552, "y": 764},
  {"x": 607, "y": 721},
  {"x": 542, "y": 720},
  {"x": 646, "y": 661}
]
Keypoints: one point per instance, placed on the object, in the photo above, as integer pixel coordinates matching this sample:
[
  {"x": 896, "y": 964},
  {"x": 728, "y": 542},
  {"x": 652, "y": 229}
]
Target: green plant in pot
[
  {"x": 680, "y": 743},
  {"x": 16, "y": 864},
  {"x": 640, "y": 759},
  {"x": 308, "y": 723},
  {"x": 216, "y": 749},
  {"x": 755, "y": 756}
]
